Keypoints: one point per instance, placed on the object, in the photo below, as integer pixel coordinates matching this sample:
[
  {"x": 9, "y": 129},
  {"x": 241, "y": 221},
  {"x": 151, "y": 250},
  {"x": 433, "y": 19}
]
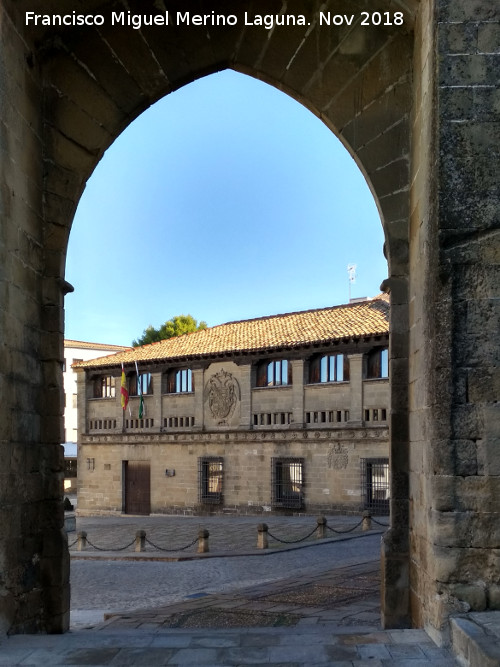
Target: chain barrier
[
  {"x": 109, "y": 548},
  {"x": 349, "y": 530},
  {"x": 386, "y": 525},
  {"x": 274, "y": 537},
  {"x": 302, "y": 539},
  {"x": 171, "y": 550}
]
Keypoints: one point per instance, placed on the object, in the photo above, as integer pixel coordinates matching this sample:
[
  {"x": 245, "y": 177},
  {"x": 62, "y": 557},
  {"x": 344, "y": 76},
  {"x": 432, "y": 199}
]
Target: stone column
[
  {"x": 356, "y": 389},
  {"x": 198, "y": 379},
  {"x": 34, "y": 580},
  {"x": 454, "y": 420},
  {"x": 81, "y": 401},
  {"x": 298, "y": 392},
  {"x": 153, "y": 404},
  {"x": 245, "y": 382}
]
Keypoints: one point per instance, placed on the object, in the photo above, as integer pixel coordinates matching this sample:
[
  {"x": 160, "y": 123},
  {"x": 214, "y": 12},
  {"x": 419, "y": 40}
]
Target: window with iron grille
[
  {"x": 210, "y": 469},
  {"x": 287, "y": 482},
  {"x": 375, "y": 485},
  {"x": 69, "y": 468}
]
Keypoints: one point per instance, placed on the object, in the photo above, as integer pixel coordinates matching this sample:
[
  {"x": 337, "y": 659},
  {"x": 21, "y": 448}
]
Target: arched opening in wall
[
  {"x": 231, "y": 201},
  {"x": 226, "y": 188}
]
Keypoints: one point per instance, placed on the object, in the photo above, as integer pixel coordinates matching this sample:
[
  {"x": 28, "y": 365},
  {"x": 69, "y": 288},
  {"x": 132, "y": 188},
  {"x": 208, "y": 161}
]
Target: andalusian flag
[
  {"x": 123, "y": 390},
  {"x": 139, "y": 387}
]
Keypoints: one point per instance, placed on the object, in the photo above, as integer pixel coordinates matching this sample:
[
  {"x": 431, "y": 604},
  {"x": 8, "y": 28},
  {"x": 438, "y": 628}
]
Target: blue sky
[{"x": 227, "y": 200}]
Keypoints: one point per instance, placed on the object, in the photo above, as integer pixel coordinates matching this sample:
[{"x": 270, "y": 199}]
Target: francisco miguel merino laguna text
[
  {"x": 179, "y": 18},
  {"x": 267, "y": 21}
]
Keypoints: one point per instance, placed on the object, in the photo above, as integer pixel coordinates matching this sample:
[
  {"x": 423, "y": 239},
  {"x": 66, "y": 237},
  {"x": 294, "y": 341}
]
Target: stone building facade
[
  {"x": 74, "y": 352},
  {"x": 284, "y": 413}
]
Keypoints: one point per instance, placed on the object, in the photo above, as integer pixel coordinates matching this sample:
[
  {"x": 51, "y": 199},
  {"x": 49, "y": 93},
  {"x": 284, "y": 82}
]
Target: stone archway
[{"x": 66, "y": 95}]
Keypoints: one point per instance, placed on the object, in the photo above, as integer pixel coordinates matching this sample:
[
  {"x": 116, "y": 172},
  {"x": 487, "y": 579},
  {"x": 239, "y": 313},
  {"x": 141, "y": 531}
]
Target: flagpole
[
  {"x": 139, "y": 387},
  {"x": 123, "y": 396}
]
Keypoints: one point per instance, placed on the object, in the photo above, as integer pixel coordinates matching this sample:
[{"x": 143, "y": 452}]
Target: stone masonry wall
[
  {"x": 95, "y": 82},
  {"x": 332, "y": 469},
  {"x": 34, "y": 573},
  {"x": 455, "y": 425}
]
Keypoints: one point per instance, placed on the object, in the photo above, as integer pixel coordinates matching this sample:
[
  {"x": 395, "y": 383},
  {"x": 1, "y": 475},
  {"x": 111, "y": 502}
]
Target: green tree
[{"x": 177, "y": 326}]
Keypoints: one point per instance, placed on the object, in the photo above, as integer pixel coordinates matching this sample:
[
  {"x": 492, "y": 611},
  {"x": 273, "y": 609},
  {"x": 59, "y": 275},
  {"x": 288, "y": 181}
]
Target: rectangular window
[
  {"x": 287, "y": 482},
  {"x": 275, "y": 373},
  {"x": 183, "y": 381},
  {"x": 104, "y": 387},
  {"x": 377, "y": 365},
  {"x": 140, "y": 384},
  {"x": 210, "y": 471},
  {"x": 384, "y": 363},
  {"x": 178, "y": 381},
  {"x": 329, "y": 368}
]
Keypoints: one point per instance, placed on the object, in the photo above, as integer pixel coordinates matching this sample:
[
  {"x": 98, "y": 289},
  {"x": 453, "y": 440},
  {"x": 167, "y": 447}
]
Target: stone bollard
[
  {"x": 82, "y": 540},
  {"x": 203, "y": 536},
  {"x": 321, "y": 521},
  {"x": 140, "y": 540},
  {"x": 262, "y": 538},
  {"x": 367, "y": 521}
]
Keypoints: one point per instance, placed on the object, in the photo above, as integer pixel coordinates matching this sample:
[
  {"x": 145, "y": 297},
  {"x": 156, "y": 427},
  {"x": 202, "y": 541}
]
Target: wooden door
[{"x": 137, "y": 487}]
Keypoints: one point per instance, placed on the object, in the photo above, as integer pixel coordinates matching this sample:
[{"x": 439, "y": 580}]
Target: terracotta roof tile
[
  {"x": 84, "y": 345},
  {"x": 361, "y": 319}
]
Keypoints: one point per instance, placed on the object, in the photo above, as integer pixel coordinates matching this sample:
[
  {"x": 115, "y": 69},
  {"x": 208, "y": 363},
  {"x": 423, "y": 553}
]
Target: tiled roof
[
  {"x": 355, "y": 320},
  {"x": 83, "y": 345}
]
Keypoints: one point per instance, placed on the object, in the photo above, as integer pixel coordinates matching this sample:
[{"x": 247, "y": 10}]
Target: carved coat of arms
[
  {"x": 222, "y": 393},
  {"x": 338, "y": 457}
]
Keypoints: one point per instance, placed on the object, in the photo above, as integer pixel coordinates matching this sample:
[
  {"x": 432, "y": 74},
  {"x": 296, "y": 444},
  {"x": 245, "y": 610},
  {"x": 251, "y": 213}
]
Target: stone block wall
[
  {"x": 455, "y": 421},
  {"x": 32, "y": 540},
  {"x": 418, "y": 109},
  {"x": 332, "y": 469}
]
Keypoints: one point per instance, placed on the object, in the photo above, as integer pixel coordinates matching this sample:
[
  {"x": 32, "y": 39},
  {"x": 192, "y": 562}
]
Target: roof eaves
[{"x": 180, "y": 358}]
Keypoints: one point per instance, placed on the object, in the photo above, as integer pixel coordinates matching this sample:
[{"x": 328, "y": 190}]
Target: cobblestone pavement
[
  {"x": 100, "y": 584},
  {"x": 111, "y": 580}
]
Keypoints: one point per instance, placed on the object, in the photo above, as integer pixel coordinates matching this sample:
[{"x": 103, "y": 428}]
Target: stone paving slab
[
  {"x": 302, "y": 647},
  {"x": 341, "y": 629}
]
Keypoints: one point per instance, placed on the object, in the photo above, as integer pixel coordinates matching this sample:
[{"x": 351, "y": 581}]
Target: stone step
[{"x": 476, "y": 639}]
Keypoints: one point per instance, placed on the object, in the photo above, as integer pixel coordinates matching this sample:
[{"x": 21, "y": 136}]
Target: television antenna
[{"x": 351, "y": 272}]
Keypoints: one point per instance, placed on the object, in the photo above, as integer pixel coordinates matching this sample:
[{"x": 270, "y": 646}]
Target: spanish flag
[{"x": 123, "y": 390}]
